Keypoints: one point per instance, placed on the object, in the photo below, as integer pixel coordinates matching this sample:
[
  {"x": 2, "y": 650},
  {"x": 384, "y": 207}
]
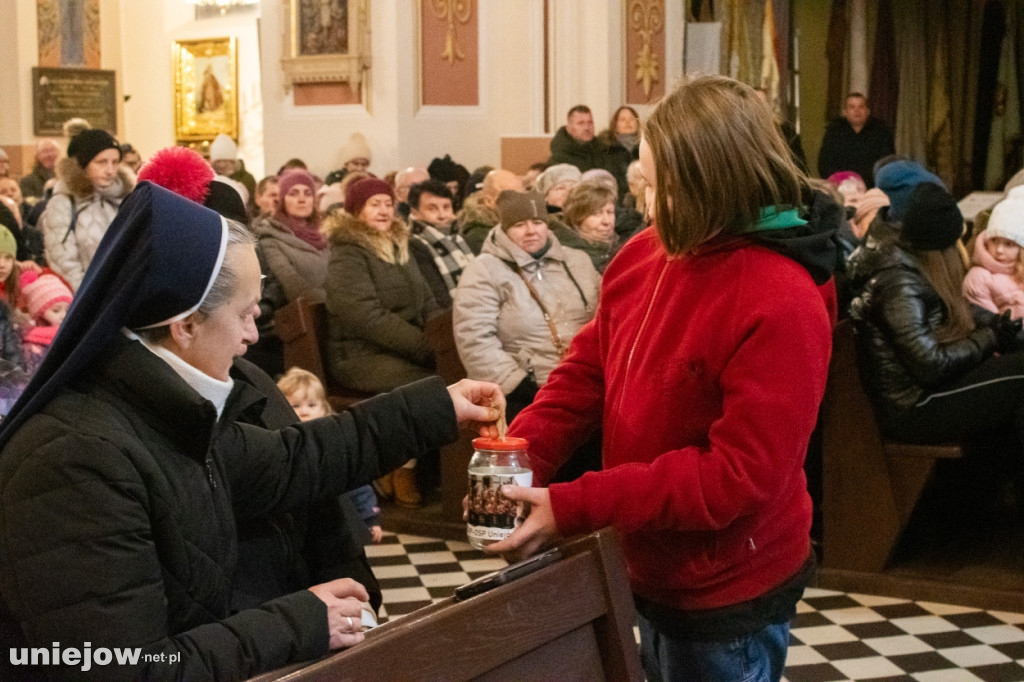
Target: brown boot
[
  {"x": 384, "y": 486},
  {"x": 407, "y": 494}
]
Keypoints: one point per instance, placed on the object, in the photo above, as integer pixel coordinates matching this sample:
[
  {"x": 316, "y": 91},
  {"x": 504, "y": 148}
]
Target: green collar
[{"x": 773, "y": 219}]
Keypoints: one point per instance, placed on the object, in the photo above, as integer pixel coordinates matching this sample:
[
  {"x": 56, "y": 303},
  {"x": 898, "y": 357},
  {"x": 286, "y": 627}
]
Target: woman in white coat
[
  {"x": 91, "y": 183},
  {"x": 519, "y": 304}
]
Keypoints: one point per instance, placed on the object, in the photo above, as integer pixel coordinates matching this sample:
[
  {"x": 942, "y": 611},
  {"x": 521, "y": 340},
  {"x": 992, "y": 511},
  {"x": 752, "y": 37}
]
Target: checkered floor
[{"x": 835, "y": 636}]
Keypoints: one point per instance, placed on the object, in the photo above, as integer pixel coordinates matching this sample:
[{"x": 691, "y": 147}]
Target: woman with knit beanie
[
  {"x": 554, "y": 184},
  {"x": 290, "y": 238},
  {"x": 378, "y": 304},
  {"x": 91, "y": 183},
  {"x": 936, "y": 367},
  {"x": 521, "y": 302}
]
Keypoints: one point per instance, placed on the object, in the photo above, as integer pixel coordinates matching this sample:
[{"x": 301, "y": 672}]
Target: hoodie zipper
[{"x": 636, "y": 342}]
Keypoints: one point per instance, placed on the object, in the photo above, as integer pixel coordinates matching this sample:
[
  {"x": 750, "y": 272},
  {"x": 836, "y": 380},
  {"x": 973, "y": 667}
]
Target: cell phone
[{"x": 507, "y": 574}]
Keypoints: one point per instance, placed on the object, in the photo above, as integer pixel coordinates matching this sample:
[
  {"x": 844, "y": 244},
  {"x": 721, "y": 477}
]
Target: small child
[
  {"x": 306, "y": 395},
  {"x": 996, "y": 281},
  {"x": 47, "y": 299}
]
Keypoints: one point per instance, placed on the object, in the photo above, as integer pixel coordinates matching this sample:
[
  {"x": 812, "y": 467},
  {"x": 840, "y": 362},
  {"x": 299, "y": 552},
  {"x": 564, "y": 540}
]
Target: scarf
[
  {"x": 451, "y": 252},
  {"x": 308, "y": 230},
  {"x": 40, "y": 334},
  {"x": 629, "y": 140}
]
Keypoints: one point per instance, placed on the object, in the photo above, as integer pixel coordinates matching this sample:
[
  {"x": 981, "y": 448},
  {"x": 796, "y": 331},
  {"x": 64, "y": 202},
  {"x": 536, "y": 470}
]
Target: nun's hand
[
  {"x": 343, "y": 599},
  {"x": 478, "y": 405}
]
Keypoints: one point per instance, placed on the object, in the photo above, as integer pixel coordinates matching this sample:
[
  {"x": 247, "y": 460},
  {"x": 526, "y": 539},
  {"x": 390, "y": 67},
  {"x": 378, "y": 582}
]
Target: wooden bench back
[
  {"x": 302, "y": 328},
  {"x": 572, "y": 620},
  {"x": 870, "y": 485}
]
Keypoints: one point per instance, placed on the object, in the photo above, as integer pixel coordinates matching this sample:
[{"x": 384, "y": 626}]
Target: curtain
[
  {"x": 835, "y": 52},
  {"x": 939, "y": 135},
  {"x": 912, "y": 100},
  {"x": 885, "y": 81},
  {"x": 992, "y": 29},
  {"x": 857, "y": 79}
]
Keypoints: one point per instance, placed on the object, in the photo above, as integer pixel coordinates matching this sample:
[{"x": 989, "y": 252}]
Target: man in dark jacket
[
  {"x": 33, "y": 184},
  {"x": 575, "y": 143},
  {"x": 440, "y": 253},
  {"x": 855, "y": 141}
]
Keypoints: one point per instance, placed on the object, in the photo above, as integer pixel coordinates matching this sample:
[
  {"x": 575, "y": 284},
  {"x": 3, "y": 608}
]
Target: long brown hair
[
  {"x": 12, "y": 287},
  {"x": 719, "y": 159},
  {"x": 945, "y": 271}
]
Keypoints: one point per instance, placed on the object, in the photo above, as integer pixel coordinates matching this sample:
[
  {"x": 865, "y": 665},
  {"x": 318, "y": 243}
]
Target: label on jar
[{"x": 492, "y": 516}]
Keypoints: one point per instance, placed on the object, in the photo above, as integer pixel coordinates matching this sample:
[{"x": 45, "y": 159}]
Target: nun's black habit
[{"x": 118, "y": 496}]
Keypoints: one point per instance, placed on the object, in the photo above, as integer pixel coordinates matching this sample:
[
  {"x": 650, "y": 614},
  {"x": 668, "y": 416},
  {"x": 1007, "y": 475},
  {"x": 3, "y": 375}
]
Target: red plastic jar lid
[{"x": 509, "y": 443}]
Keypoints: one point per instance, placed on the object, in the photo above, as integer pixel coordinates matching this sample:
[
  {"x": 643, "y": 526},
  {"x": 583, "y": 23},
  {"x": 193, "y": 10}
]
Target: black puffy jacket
[
  {"x": 118, "y": 507},
  {"x": 291, "y": 551},
  {"x": 896, "y": 314}
]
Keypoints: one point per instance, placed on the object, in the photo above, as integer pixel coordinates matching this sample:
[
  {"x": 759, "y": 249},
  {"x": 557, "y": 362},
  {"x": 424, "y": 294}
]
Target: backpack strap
[{"x": 74, "y": 218}]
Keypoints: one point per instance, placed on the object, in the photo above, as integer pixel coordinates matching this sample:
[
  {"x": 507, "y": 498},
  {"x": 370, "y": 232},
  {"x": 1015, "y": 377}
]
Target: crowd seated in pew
[{"x": 929, "y": 369}]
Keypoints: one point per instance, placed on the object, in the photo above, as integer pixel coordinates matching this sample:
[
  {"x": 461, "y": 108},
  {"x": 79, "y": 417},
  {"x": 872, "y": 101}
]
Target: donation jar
[{"x": 496, "y": 462}]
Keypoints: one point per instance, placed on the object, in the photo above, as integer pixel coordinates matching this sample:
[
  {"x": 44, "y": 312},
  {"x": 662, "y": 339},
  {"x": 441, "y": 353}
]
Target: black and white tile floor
[{"x": 835, "y": 637}]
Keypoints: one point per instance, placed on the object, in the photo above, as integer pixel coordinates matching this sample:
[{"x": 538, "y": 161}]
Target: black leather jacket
[{"x": 897, "y": 313}]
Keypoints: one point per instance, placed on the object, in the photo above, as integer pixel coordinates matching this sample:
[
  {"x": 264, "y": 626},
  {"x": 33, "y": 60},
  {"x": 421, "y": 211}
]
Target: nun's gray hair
[{"x": 226, "y": 284}]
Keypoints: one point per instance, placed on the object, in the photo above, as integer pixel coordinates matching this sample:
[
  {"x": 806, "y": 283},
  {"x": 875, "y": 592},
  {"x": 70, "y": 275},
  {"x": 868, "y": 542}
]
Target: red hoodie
[{"x": 705, "y": 373}]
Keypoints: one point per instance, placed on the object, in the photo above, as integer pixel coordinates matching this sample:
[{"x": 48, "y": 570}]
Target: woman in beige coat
[{"x": 522, "y": 280}]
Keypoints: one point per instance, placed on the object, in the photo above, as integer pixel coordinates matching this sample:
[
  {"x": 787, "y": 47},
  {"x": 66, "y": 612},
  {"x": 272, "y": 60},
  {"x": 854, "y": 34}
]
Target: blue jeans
[{"x": 758, "y": 657}]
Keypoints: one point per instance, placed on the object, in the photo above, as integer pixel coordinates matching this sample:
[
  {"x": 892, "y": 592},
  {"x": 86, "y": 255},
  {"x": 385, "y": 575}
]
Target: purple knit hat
[{"x": 296, "y": 176}]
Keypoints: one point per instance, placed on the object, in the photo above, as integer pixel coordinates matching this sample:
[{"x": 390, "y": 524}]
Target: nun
[{"x": 121, "y": 485}]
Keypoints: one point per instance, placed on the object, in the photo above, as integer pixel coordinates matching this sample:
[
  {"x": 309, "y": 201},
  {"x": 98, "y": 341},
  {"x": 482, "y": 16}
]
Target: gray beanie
[{"x": 556, "y": 174}]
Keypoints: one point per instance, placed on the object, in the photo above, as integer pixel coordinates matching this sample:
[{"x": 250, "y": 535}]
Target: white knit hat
[
  {"x": 356, "y": 148},
  {"x": 1007, "y": 220},
  {"x": 223, "y": 147}
]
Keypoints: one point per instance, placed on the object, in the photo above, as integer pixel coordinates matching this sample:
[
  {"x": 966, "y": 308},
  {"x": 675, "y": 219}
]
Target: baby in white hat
[{"x": 996, "y": 281}]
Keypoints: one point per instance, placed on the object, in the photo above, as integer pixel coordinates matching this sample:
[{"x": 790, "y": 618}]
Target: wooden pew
[
  {"x": 870, "y": 485},
  {"x": 572, "y": 620},
  {"x": 302, "y": 328},
  {"x": 454, "y": 457}
]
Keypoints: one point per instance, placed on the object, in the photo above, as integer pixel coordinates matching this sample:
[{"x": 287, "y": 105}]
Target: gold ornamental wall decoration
[
  {"x": 452, "y": 12},
  {"x": 646, "y": 18}
]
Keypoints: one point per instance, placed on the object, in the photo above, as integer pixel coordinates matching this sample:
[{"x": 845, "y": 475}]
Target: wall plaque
[{"x": 60, "y": 94}]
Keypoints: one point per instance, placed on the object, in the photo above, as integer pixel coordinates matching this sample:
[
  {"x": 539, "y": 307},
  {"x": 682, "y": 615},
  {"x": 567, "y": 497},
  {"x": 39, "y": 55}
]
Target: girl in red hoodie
[{"x": 704, "y": 368}]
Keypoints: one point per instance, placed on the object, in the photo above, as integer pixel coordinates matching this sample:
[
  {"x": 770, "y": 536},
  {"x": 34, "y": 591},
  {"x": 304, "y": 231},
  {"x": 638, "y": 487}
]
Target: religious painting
[
  {"x": 327, "y": 41},
  {"x": 323, "y": 27},
  {"x": 69, "y": 33},
  {"x": 205, "y": 89}
]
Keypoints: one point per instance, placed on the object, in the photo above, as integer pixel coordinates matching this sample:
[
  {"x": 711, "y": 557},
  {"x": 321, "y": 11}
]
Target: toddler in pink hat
[{"x": 47, "y": 299}]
